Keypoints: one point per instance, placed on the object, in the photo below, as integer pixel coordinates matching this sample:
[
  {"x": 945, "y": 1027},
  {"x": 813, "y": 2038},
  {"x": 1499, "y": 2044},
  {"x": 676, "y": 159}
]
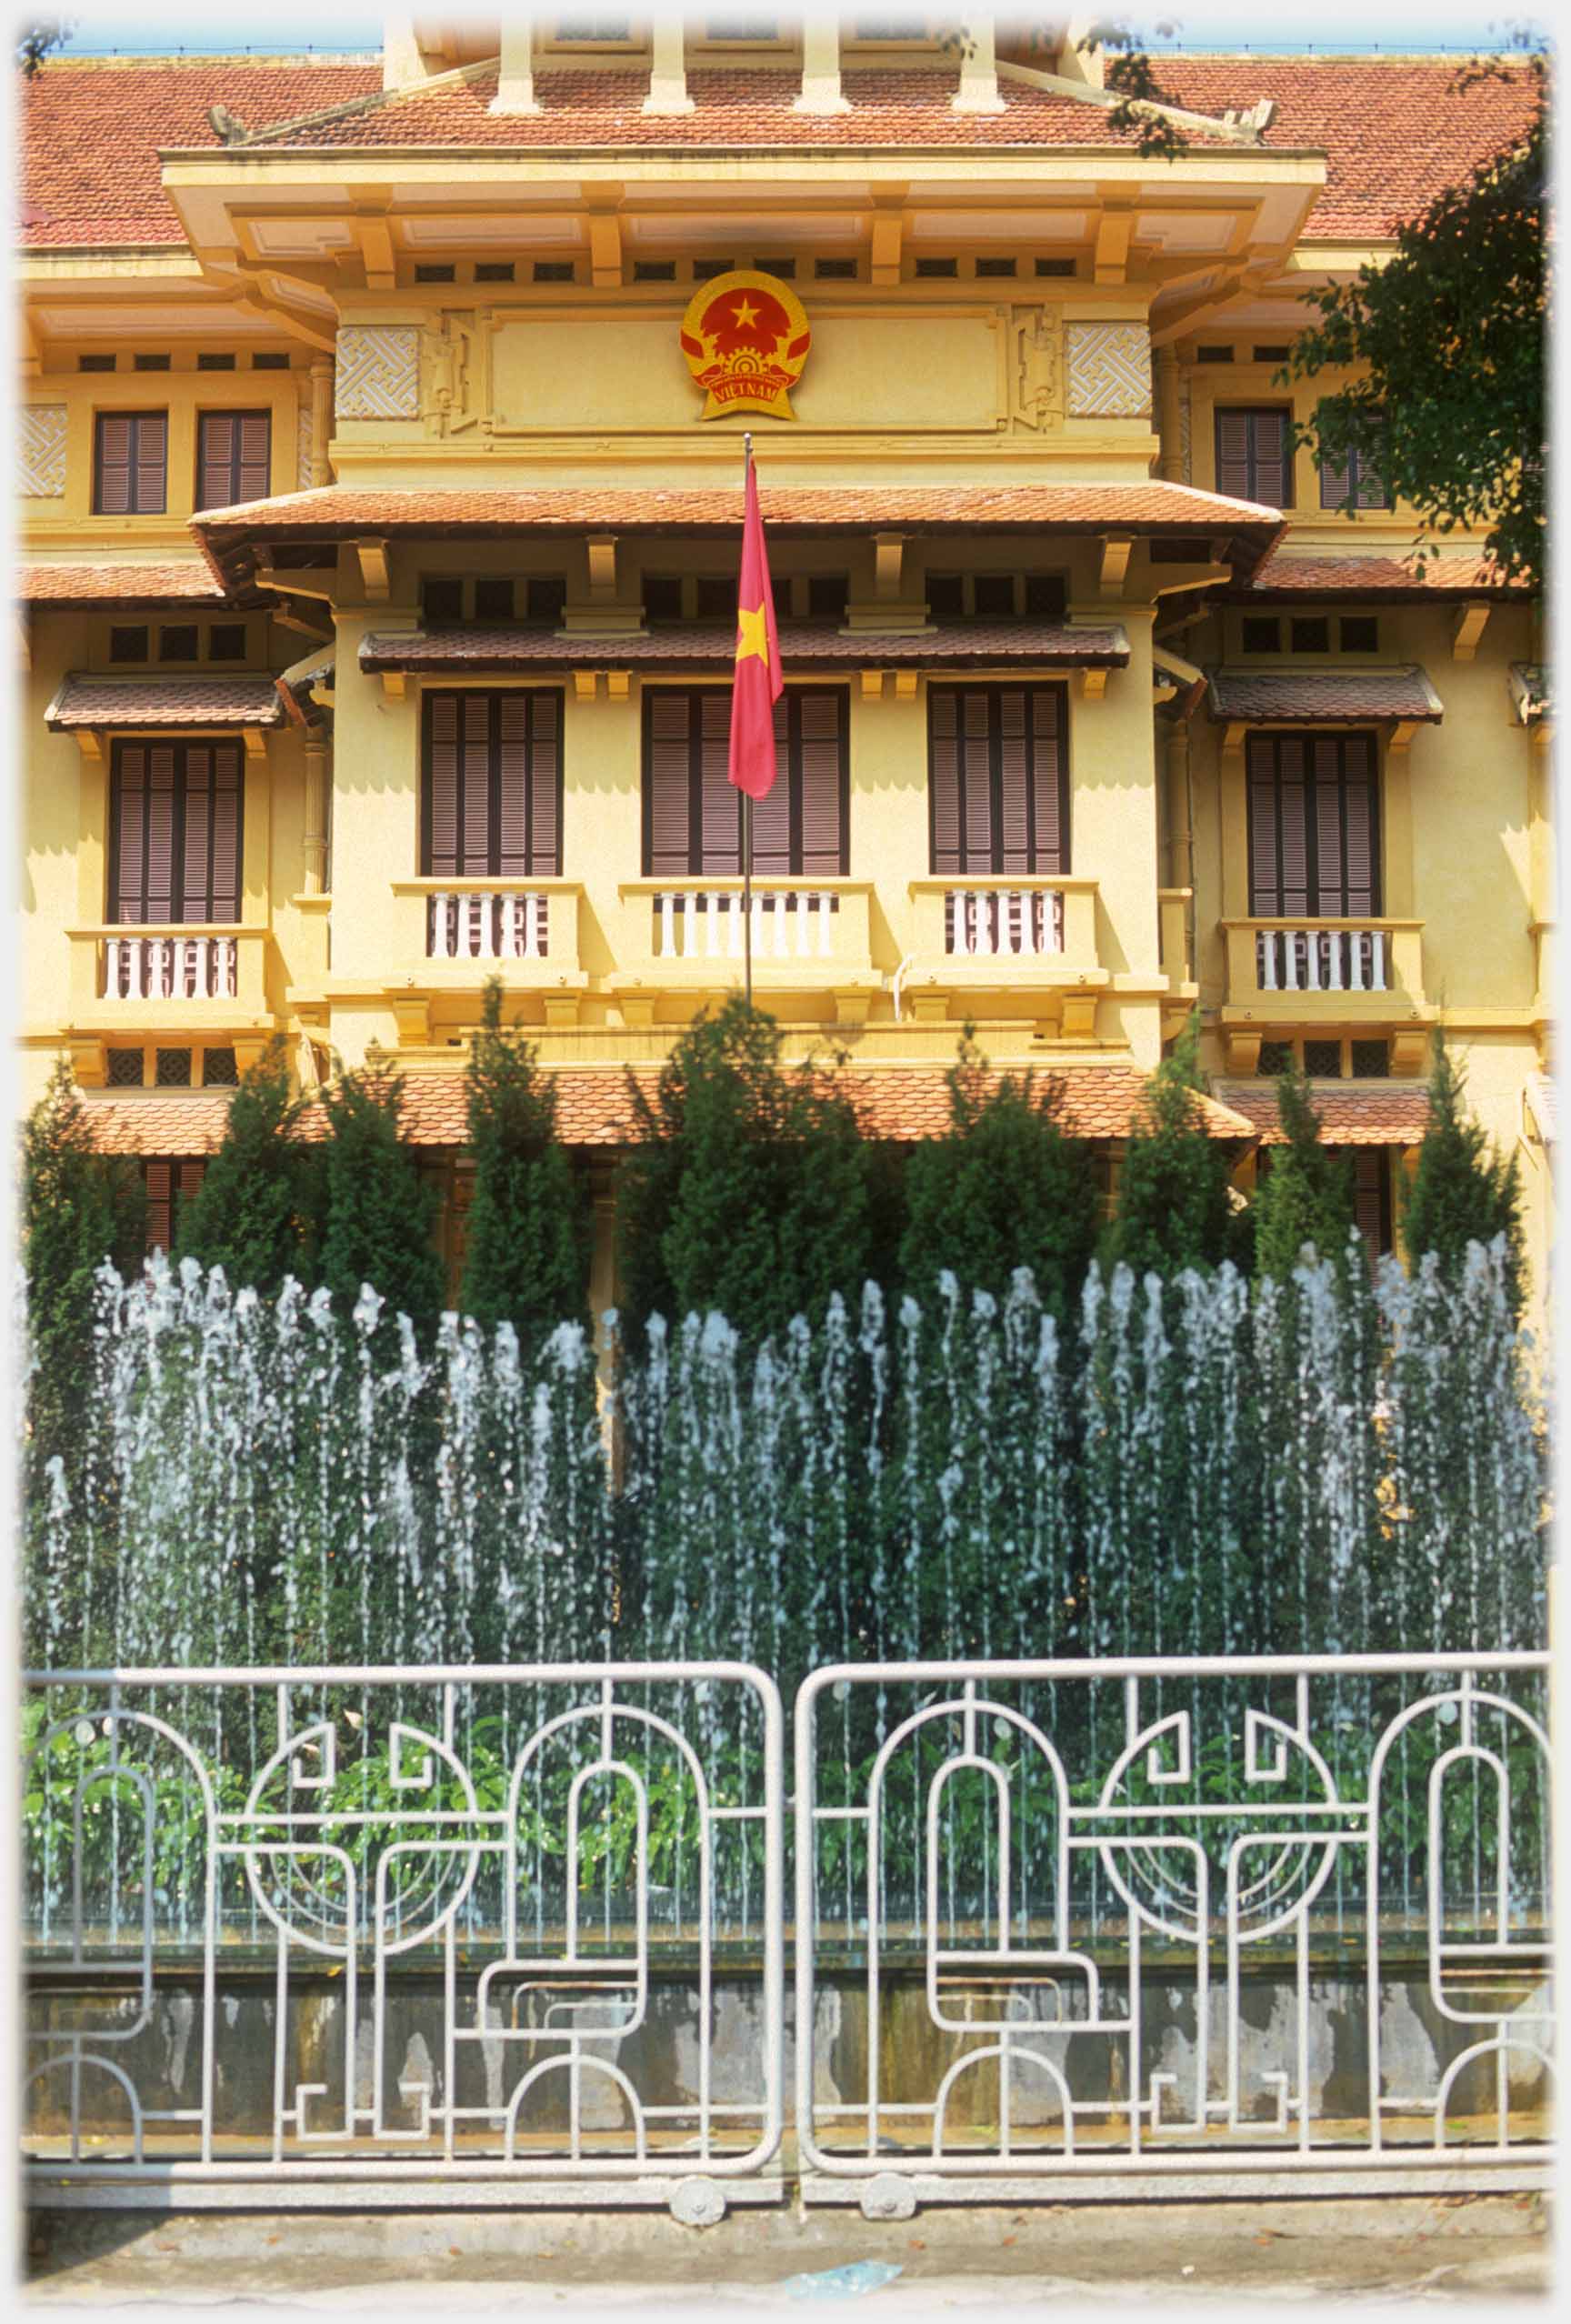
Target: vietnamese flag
[{"x": 756, "y": 684}]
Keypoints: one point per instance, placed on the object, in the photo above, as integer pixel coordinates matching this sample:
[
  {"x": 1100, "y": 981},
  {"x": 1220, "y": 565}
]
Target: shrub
[
  {"x": 1174, "y": 1207},
  {"x": 749, "y": 1189},
  {"x": 379, "y": 1214},
  {"x": 528, "y": 1257},
  {"x": 1464, "y": 1190},
  {"x": 1007, "y": 1187},
  {"x": 252, "y": 1213},
  {"x": 1307, "y": 1194}
]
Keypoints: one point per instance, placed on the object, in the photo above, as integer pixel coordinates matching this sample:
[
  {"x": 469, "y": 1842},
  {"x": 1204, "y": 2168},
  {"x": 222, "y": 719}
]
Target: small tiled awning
[
  {"x": 164, "y": 703},
  {"x": 1385, "y": 1113},
  {"x": 1321, "y": 697},
  {"x": 117, "y": 588},
  {"x": 1529, "y": 692},
  {"x": 713, "y": 644},
  {"x": 163, "y": 1122},
  {"x": 1284, "y": 574}
]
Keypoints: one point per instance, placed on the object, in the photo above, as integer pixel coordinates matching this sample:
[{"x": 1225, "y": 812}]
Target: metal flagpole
[{"x": 746, "y": 800}]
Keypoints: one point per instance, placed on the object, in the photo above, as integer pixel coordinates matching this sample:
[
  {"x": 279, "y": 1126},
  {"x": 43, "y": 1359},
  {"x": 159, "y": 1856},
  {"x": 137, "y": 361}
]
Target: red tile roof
[
  {"x": 1374, "y": 1113},
  {"x": 1285, "y": 574},
  {"x": 801, "y": 644},
  {"x": 86, "y": 586},
  {"x": 165, "y": 702},
  {"x": 1307, "y": 695},
  {"x": 1393, "y": 130},
  {"x": 900, "y": 1103}
]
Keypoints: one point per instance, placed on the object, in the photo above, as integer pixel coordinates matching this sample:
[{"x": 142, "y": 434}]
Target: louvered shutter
[
  {"x": 943, "y": 776},
  {"x": 216, "y": 460},
  {"x": 116, "y": 452},
  {"x": 152, "y": 433},
  {"x": 1233, "y": 445},
  {"x": 975, "y": 784},
  {"x": 1014, "y": 804},
  {"x": 1370, "y": 489},
  {"x": 253, "y": 455},
  {"x": 1273, "y": 474},
  {"x": 442, "y": 786},
  {"x": 719, "y": 802},
  {"x": 474, "y": 787},
  {"x": 128, "y": 903},
  {"x": 196, "y": 849},
  {"x": 772, "y": 814},
  {"x": 188, "y": 1178},
  {"x": 160, "y": 890},
  {"x": 1279, "y": 838},
  {"x": 222, "y": 900},
  {"x": 668, "y": 777},
  {"x": 822, "y": 711},
  {"x": 544, "y": 785},
  {"x": 1361, "y": 882},
  {"x": 513, "y": 787},
  {"x": 1293, "y": 826},
  {"x": 1335, "y": 483},
  {"x": 1329, "y": 899},
  {"x": 1369, "y": 1209},
  {"x": 1051, "y": 859},
  {"x": 159, "y": 1178}
]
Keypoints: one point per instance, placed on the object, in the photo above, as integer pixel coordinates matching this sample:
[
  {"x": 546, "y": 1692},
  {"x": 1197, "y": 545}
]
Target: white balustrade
[
  {"x": 169, "y": 967},
  {"x": 706, "y": 924},
  {"x": 1321, "y": 960},
  {"x": 488, "y": 925},
  {"x": 986, "y": 923}
]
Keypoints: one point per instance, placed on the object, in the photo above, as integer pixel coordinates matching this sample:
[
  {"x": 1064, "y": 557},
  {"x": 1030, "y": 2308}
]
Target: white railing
[
  {"x": 169, "y": 967},
  {"x": 706, "y": 924},
  {"x": 981, "y": 923},
  {"x": 1321, "y": 960},
  {"x": 504, "y": 925}
]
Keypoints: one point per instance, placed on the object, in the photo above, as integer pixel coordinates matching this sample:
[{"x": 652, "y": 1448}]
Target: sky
[{"x": 1329, "y": 26}]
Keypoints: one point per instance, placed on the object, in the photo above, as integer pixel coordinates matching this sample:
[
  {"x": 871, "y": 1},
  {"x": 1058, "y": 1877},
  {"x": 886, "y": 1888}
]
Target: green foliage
[
  {"x": 379, "y": 1214},
  {"x": 39, "y": 39},
  {"x": 527, "y": 1258},
  {"x": 749, "y": 1189},
  {"x": 1007, "y": 1187},
  {"x": 1463, "y": 1190},
  {"x": 1307, "y": 1194},
  {"x": 1448, "y": 336},
  {"x": 79, "y": 1208},
  {"x": 253, "y": 1214},
  {"x": 1174, "y": 1207},
  {"x": 1128, "y": 70}
]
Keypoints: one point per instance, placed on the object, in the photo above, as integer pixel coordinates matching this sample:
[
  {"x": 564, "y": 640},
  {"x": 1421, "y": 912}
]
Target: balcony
[
  {"x": 464, "y": 931},
  {"x": 1032, "y": 936},
  {"x": 1320, "y": 976},
  {"x": 689, "y": 934},
  {"x": 187, "y": 976}
]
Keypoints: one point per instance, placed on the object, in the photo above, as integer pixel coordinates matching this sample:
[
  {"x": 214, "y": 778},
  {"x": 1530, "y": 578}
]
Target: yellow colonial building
[{"x": 381, "y": 493}]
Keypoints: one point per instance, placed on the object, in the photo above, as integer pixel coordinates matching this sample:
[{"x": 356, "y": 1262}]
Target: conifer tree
[
  {"x": 78, "y": 1208},
  {"x": 1174, "y": 1207},
  {"x": 528, "y": 1259},
  {"x": 1007, "y": 1187},
  {"x": 1307, "y": 1194},
  {"x": 378, "y": 1213},
  {"x": 252, "y": 1214},
  {"x": 1464, "y": 1190},
  {"x": 749, "y": 1189}
]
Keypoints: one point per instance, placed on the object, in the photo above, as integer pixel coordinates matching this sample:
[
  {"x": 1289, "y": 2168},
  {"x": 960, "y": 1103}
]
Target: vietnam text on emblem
[{"x": 745, "y": 339}]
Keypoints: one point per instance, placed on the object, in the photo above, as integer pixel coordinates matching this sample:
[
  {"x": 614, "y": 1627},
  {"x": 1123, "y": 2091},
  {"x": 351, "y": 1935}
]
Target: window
[
  {"x": 993, "y": 596},
  {"x": 1323, "y": 1060},
  {"x": 96, "y": 363},
  {"x": 829, "y": 595},
  {"x": 946, "y": 597},
  {"x": 1213, "y": 354},
  {"x": 219, "y": 1070},
  {"x": 994, "y": 269},
  {"x": 270, "y": 359},
  {"x": 835, "y": 270},
  {"x": 933, "y": 270},
  {"x": 1047, "y": 596},
  {"x": 493, "y": 597},
  {"x": 716, "y": 596},
  {"x": 177, "y": 641},
  {"x": 215, "y": 363},
  {"x": 435, "y": 274},
  {"x": 1275, "y": 1058},
  {"x": 128, "y": 643},
  {"x": 172, "y": 1069},
  {"x": 124, "y": 1069},
  {"x": 1360, "y": 634},
  {"x": 782, "y": 269},
  {"x": 1274, "y": 354},
  {"x": 130, "y": 464},
  {"x": 553, "y": 270},
  {"x": 1059, "y": 266},
  {"x": 174, "y": 819},
  {"x": 499, "y": 270},
  {"x": 441, "y": 597},
  {"x": 1313, "y": 839},
  {"x": 150, "y": 363},
  {"x": 1253, "y": 461},
  {"x": 1371, "y": 1061},
  {"x": 1372, "y": 1197},
  {"x": 1356, "y": 482},
  {"x": 1310, "y": 634},
  {"x": 545, "y": 599},
  {"x": 693, "y": 812},
  {"x": 1261, "y": 634},
  {"x": 226, "y": 642},
  {"x": 233, "y": 457},
  {"x": 706, "y": 270},
  {"x": 170, "y": 1185},
  {"x": 662, "y": 597},
  {"x": 654, "y": 270},
  {"x": 998, "y": 779},
  {"x": 491, "y": 797}
]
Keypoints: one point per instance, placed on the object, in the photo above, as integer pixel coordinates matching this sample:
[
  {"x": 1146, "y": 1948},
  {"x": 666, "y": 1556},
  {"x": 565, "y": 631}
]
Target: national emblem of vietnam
[{"x": 745, "y": 337}]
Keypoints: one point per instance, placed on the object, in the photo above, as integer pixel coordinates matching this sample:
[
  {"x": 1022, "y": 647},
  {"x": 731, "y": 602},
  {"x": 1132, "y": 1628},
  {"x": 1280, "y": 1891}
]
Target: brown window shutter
[
  {"x": 720, "y": 803},
  {"x": 216, "y": 460},
  {"x": 114, "y": 451},
  {"x": 1370, "y": 1167},
  {"x": 474, "y": 787},
  {"x": 1293, "y": 826},
  {"x": 513, "y": 787},
  {"x": 159, "y": 1181},
  {"x": 188, "y": 1178},
  {"x": 1329, "y": 897},
  {"x": 1361, "y": 870},
  {"x": 668, "y": 777},
  {"x": 943, "y": 776},
  {"x": 1272, "y": 480},
  {"x": 1371, "y": 484},
  {"x": 1233, "y": 448},
  {"x": 160, "y": 892},
  {"x": 1049, "y": 784},
  {"x": 824, "y": 836},
  {"x": 975, "y": 784},
  {"x": 442, "y": 786},
  {"x": 772, "y": 814},
  {"x": 129, "y": 900},
  {"x": 1014, "y": 804},
  {"x": 196, "y": 876},
  {"x": 253, "y": 455},
  {"x": 1335, "y": 483},
  {"x": 152, "y": 463},
  {"x": 222, "y": 901},
  {"x": 545, "y": 786}
]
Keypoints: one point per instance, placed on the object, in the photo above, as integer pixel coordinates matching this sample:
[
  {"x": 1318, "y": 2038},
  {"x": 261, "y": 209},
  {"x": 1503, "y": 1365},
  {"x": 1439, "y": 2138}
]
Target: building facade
[{"x": 381, "y": 491}]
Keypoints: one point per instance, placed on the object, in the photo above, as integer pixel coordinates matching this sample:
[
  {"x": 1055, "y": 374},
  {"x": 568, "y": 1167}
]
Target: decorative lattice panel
[
  {"x": 378, "y": 372},
  {"x": 303, "y": 448},
  {"x": 42, "y": 451},
  {"x": 1110, "y": 370}
]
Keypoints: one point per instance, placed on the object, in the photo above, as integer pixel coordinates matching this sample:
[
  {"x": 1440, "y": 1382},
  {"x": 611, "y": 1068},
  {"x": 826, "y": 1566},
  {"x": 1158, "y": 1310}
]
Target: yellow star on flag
[{"x": 752, "y": 634}]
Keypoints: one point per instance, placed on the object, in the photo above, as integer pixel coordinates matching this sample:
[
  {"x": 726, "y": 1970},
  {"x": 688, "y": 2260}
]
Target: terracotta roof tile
[
  {"x": 1284, "y": 574},
  {"x": 89, "y": 585},
  {"x": 801, "y": 644},
  {"x": 165, "y": 702},
  {"x": 1292, "y": 696},
  {"x": 1371, "y": 1112},
  {"x": 901, "y": 1103}
]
